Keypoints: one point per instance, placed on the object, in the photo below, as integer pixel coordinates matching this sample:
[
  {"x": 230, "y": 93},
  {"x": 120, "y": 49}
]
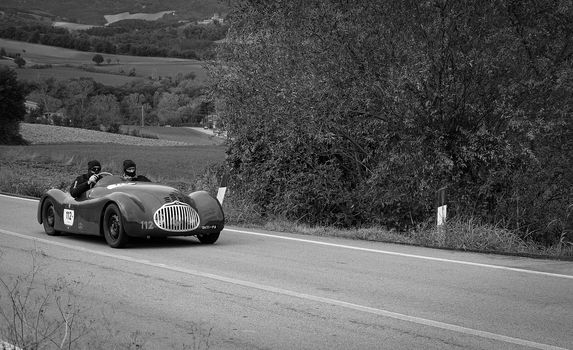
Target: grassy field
[
  {"x": 65, "y": 73},
  {"x": 179, "y": 163},
  {"x": 65, "y": 61},
  {"x": 181, "y": 134},
  {"x": 30, "y": 170},
  {"x": 154, "y": 136}
]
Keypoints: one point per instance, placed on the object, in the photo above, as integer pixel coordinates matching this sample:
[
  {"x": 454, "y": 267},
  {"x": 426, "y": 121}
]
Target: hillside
[
  {"x": 180, "y": 29},
  {"x": 66, "y": 64},
  {"x": 93, "y": 12}
]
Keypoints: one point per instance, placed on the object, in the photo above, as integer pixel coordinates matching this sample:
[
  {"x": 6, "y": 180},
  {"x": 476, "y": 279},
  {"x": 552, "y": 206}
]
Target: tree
[
  {"x": 360, "y": 119},
  {"x": 105, "y": 110},
  {"x": 75, "y": 95},
  {"x": 45, "y": 94},
  {"x": 12, "y": 108},
  {"x": 98, "y": 59},
  {"x": 187, "y": 114},
  {"x": 167, "y": 108},
  {"x": 19, "y": 61},
  {"x": 190, "y": 87},
  {"x": 132, "y": 105}
]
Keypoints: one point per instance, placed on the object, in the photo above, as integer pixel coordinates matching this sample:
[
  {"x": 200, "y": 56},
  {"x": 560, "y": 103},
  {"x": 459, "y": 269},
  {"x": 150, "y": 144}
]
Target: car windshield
[{"x": 109, "y": 180}]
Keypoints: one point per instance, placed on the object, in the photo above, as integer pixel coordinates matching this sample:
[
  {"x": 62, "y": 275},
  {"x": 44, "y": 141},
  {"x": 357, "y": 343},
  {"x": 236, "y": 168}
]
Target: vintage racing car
[{"x": 119, "y": 209}]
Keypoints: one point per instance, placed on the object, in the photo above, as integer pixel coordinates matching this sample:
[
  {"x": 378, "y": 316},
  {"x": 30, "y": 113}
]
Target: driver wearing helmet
[
  {"x": 86, "y": 181},
  {"x": 129, "y": 172}
]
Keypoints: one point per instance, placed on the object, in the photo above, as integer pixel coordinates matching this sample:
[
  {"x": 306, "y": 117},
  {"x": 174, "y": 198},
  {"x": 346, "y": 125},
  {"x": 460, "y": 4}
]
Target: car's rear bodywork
[{"x": 146, "y": 209}]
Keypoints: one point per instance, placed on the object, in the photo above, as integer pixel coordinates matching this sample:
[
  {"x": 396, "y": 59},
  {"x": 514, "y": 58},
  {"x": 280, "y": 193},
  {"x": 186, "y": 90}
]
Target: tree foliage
[
  {"x": 356, "y": 112},
  {"x": 12, "y": 108},
  {"x": 104, "y": 110},
  {"x": 98, "y": 59},
  {"x": 168, "y": 108},
  {"x": 77, "y": 94},
  {"x": 132, "y": 106},
  {"x": 19, "y": 61},
  {"x": 84, "y": 103}
]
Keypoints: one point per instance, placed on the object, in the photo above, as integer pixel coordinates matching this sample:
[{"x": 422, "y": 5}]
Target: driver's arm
[{"x": 78, "y": 188}]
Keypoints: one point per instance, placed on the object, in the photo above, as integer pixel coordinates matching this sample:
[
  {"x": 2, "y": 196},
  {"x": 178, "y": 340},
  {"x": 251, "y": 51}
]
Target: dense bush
[{"x": 356, "y": 113}]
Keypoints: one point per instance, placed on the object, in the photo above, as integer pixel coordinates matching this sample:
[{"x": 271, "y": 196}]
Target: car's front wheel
[
  {"x": 49, "y": 217},
  {"x": 113, "y": 230},
  {"x": 209, "y": 238}
]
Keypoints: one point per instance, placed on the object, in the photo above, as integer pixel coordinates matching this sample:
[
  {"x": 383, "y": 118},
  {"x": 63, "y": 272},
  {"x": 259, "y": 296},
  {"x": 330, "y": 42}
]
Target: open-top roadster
[{"x": 119, "y": 209}]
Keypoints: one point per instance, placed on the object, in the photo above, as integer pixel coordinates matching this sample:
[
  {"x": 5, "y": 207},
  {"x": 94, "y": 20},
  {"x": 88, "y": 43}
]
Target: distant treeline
[
  {"x": 84, "y": 103},
  {"x": 128, "y": 37}
]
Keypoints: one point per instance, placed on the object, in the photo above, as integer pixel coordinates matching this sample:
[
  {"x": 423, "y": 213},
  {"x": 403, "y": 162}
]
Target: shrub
[
  {"x": 12, "y": 109},
  {"x": 19, "y": 61},
  {"x": 98, "y": 59}
]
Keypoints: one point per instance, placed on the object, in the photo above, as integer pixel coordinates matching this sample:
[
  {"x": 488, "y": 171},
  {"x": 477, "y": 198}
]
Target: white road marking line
[
  {"x": 356, "y": 307},
  {"x": 19, "y": 198},
  {"x": 514, "y": 269}
]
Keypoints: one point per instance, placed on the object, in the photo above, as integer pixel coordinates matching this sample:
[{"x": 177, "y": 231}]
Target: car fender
[
  {"x": 209, "y": 208},
  {"x": 132, "y": 209},
  {"x": 58, "y": 196}
]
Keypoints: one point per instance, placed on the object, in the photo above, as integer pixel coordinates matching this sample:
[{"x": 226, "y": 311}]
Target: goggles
[{"x": 96, "y": 169}]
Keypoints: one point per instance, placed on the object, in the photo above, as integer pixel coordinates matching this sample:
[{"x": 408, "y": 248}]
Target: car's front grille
[{"x": 176, "y": 217}]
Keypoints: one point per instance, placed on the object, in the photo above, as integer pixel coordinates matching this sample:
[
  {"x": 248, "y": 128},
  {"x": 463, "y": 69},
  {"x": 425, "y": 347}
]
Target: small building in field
[
  {"x": 210, "y": 121},
  {"x": 31, "y": 106},
  {"x": 215, "y": 18}
]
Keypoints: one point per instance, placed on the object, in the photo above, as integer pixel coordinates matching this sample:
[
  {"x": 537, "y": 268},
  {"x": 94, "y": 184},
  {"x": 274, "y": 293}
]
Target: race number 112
[{"x": 147, "y": 225}]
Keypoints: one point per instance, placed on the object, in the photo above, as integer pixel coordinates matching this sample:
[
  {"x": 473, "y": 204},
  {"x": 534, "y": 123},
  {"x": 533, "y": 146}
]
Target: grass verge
[{"x": 463, "y": 234}]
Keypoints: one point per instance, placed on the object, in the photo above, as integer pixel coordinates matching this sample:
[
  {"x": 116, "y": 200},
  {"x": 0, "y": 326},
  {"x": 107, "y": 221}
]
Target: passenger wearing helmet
[
  {"x": 86, "y": 181},
  {"x": 129, "y": 172}
]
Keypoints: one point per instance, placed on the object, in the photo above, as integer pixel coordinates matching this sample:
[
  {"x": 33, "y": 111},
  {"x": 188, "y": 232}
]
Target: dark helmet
[
  {"x": 94, "y": 167},
  {"x": 129, "y": 168}
]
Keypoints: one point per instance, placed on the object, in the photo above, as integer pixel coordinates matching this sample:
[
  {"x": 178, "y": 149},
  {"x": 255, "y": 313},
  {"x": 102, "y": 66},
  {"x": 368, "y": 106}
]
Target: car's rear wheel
[
  {"x": 113, "y": 230},
  {"x": 49, "y": 217},
  {"x": 209, "y": 238}
]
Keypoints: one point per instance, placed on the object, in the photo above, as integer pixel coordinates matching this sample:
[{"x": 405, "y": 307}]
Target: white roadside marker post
[
  {"x": 442, "y": 206},
  {"x": 222, "y": 188}
]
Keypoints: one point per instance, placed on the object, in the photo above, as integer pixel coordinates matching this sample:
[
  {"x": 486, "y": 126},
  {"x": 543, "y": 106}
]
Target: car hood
[{"x": 146, "y": 193}]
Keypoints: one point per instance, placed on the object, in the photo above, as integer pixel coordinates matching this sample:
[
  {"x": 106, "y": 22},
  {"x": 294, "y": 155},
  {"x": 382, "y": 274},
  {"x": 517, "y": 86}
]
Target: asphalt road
[{"x": 265, "y": 290}]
